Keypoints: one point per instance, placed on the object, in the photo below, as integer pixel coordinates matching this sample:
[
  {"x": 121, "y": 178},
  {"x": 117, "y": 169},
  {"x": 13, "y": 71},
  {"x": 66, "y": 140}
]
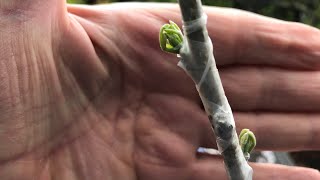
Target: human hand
[{"x": 89, "y": 94}]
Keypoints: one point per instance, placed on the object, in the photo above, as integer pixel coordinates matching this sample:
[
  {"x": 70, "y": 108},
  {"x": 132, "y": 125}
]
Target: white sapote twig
[{"x": 196, "y": 53}]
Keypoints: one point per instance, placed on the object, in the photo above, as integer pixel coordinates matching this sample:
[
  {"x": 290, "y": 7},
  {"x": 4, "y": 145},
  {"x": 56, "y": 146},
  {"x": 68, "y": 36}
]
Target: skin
[{"x": 86, "y": 92}]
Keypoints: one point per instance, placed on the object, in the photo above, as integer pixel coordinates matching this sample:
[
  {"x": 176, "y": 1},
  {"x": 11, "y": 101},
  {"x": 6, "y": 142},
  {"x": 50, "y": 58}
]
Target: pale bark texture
[{"x": 198, "y": 61}]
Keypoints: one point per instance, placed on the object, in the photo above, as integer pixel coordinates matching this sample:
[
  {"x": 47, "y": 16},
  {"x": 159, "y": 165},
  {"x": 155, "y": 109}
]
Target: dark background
[{"x": 305, "y": 11}]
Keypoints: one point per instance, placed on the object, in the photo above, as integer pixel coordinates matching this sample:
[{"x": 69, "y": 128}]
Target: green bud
[
  {"x": 171, "y": 38},
  {"x": 247, "y": 142}
]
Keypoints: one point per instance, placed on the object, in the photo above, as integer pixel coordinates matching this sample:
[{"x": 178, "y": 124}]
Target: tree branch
[{"x": 198, "y": 62}]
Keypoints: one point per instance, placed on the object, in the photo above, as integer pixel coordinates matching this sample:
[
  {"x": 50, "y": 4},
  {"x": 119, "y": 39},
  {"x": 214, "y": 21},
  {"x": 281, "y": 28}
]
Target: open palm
[{"x": 88, "y": 94}]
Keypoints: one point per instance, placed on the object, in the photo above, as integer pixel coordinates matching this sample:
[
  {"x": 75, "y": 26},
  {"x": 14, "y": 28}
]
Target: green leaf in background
[{"x": 77, "y": 1}]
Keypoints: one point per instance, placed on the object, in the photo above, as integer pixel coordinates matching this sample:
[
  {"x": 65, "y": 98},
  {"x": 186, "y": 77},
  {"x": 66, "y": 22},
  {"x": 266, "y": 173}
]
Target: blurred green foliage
[
  {"x": 87, "y": 1},
  {"x": 305, "y": 11}
]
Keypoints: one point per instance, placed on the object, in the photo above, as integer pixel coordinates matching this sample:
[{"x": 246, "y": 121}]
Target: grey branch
[{"x": 198, "y": 62}]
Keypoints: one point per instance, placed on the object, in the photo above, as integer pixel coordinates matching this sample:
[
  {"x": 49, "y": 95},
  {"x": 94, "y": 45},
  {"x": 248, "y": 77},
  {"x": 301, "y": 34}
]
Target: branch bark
[{"x": 198, "y": 61}]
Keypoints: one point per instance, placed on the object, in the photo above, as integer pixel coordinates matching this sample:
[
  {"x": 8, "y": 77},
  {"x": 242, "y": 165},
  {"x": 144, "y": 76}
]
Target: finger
[
  {"x": 240, "y": 37},
  {"x": 143, "y": 37},
  {"x": 277, "y": 131},
  {"x": 272, "y": 171},
  {"x": 270, "y": 89},
  {"x": 139, "y": 32},
  {"x": 282, "y": 131},
  {"x": 253, "y": 39},
  {"x": 212, "y": 167}
]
